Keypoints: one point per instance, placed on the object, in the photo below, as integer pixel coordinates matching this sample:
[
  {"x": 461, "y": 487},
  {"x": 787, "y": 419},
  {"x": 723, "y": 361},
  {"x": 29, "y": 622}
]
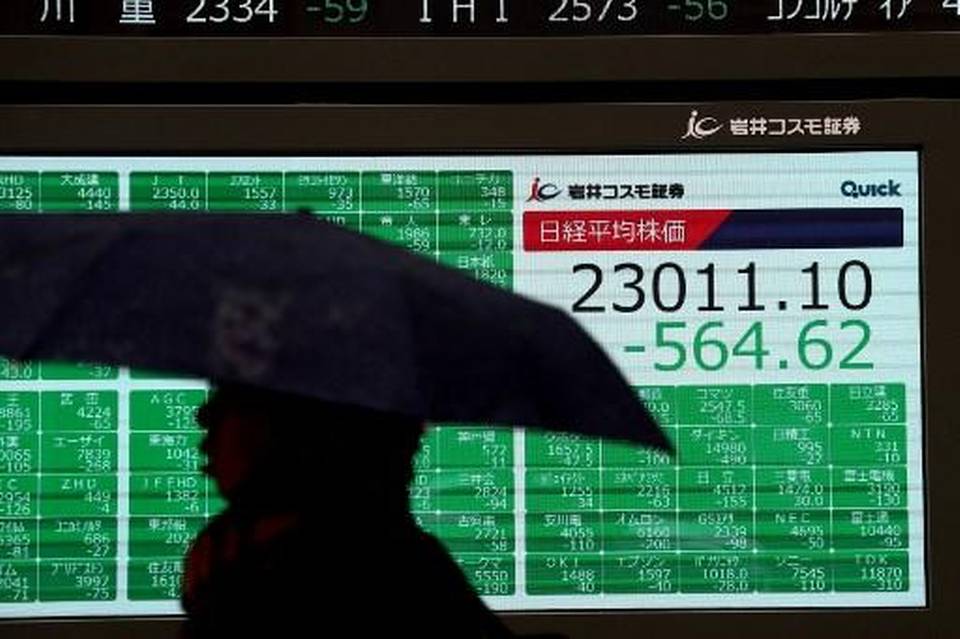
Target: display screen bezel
[{"x": 615, "y": 128}]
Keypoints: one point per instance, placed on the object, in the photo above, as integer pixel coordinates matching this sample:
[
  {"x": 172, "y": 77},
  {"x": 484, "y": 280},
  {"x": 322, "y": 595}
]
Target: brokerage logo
[
  {"x": 762, "y": 126},
  {"x": 699, "y": 128},
  {"x": 542, "y": 192}
]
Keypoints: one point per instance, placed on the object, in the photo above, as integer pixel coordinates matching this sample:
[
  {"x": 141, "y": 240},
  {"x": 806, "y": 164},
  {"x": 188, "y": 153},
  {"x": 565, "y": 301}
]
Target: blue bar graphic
[{"x": 808, "y": 228}]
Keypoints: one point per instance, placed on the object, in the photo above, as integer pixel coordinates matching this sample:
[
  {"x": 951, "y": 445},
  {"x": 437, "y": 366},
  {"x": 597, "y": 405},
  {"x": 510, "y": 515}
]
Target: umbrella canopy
[{"x": 294, "y": 304}]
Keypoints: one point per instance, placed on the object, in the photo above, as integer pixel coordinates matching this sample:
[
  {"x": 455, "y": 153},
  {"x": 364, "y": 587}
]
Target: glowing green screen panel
[{"x": 765, "y": 306}]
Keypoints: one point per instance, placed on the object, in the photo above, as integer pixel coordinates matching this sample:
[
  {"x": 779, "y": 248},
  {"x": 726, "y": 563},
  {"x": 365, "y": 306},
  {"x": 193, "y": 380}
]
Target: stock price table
[{"x": 764, "y": 306}]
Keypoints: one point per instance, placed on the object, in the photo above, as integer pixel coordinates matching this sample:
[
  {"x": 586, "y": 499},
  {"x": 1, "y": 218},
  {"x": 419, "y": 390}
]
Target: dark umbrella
[{"x": 294, "y": 304}]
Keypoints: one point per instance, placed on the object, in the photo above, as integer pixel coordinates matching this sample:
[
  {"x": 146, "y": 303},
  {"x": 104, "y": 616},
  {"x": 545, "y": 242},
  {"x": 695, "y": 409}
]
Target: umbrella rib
[{"x": 107, "y": 244}]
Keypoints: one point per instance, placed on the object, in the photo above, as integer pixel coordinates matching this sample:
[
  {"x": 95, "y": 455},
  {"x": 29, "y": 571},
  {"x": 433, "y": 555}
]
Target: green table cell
[
  {"x": 78, "y": 580},
  {"x": 868, "y": 404},
  {"x": 75, "y": 192},
  {"x": 793, "y": 488},
  {"x": 564, "y": 574},
  {"x": 163, "y": 536},
  {"x": 215, "y": 501},
  {"x": 493, "y": 268},
  {"x": 716, "y": 488},
  {"x": 19, "y": 411},
  {"x": 871, "y": 571},
  {"x": 76, "y": 537},
  {"x": 476, "y": 532},
  {"x": 617, "y": 455},
  {"x": 634, "y": 531},
  {"x": 868, "y": 445},
  {"x": 661, "y": 401},
  {"x": 870, "y": 529},
  {"x": 640, "y": 573},
  {"x": 562, "y": 490},
  {"x": 793, "y": 530},
  {"x": 19, "y": 192},
  {"x": 561, "y": 450},
  {"x": 490, "y": 575},
  {"x": 154, "y": 579},
  {"x": 500, "y": 278},
  {"x": 13, "y": 371},
  {"x": 18, "y": 540},
  {"x": 870, "y": 487},
  {"x": 423, "y": 492},
  {"x": 168, "y": 410},
  {"x": 245, "y": 192},
  {"x": 564, "y": 532},
  {"x": 716, "y": 530},
  {"x": 794, "y": 572},
  {"x": 18, "y": 581},
  {"x": 332, "y": 195},
  {"x": 165, "y": 452},
  {"x": 19, "y": 453},
  {"x": 790, "y": 445},
  {"x": 715, "y": 405},
  {"x": 473, "y": 447},
  {"x": 471, "y": 233},
  {"x": 399, "y": 192},
  {"x": 790, "y": 404},
  {"x": 88, "y": 453},
  {"x": 715, "y": 446},
  {"x": 79, "y": 410},
  {"x": 139, "y": 373},
  {"x": 426, "y": 457},
  {"x": 415, "y": 232},
  {"x": 718, "y": 573},
  {"x": 68, "y": 371},
  {"x": 639, "y": 489},
  {"x": 167, "y": 494},
  {"x": 487, "y": 490},
  {"x": 476, "y": 190},
  {"x": 78, "y": 495},
  {"x": 168, "y": 192},
  {"x": 18, "y": 496}
]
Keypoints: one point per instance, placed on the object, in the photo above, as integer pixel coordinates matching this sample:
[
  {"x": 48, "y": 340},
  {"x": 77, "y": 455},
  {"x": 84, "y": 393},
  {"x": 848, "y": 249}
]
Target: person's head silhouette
[
  {"x": 263, "y": 444},
  {"x": 317, "y": 521}
]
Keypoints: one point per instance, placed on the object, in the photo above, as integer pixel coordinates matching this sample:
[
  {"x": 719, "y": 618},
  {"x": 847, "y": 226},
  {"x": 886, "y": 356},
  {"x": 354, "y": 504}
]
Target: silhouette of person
[{"x": 317, "y": 538}]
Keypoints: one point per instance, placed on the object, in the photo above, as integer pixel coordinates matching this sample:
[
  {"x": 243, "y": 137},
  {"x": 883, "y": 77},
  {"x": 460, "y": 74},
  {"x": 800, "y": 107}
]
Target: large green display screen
[{"x": 767, "y": 307}]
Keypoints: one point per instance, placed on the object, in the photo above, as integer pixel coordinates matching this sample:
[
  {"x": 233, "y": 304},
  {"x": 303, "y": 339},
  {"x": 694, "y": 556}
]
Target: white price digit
[
  {"x": 952, "y": 4},
  {"x": 604, "y": 11},
  {"x": 195, "y": 16},
  {"x": 268, "y": 9},
  {"x": 557, "y": 16},
  {"x": 581, "y": 10},
  {"x": 223, "y": 13},
  {"x": 629, "y": 12},
  {"x": 246, "y": 7}
]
